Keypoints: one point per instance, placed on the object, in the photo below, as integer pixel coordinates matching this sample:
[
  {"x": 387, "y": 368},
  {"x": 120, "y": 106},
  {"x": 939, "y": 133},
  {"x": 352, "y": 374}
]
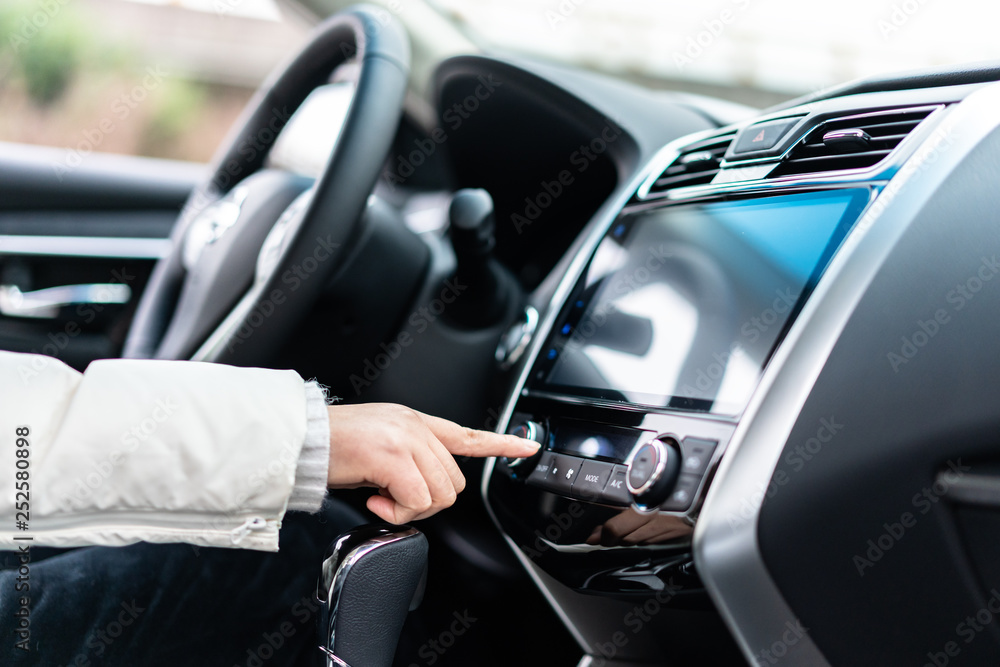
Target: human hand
[{"x": 408, "y": 456}]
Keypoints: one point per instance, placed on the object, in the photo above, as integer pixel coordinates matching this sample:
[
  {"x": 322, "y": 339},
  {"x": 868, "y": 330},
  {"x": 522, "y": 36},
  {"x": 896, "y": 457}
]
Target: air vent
[
  {"x": 854, "y": 142},
  {"x": 697, "y": 164}
]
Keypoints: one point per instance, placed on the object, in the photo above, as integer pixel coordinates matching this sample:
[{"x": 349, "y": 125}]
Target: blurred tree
[
  {"x": 178, "y": 105},
  {"x": 62, "y": 79},
  {"x": 46, "y": 43}
]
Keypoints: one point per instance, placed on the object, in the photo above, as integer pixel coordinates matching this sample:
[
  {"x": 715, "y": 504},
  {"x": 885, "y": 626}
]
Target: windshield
[{"x": 755, "y": 51}]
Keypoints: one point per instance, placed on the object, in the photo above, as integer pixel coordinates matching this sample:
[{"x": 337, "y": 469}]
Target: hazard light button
[{"x": 762, "y": 136}]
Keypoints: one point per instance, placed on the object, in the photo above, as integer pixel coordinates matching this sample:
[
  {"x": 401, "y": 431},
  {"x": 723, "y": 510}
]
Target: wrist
[{"x": 312, "y": 469}]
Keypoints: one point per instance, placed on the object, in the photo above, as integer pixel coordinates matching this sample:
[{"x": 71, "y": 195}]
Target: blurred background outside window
[
  {"x": 167, "y": 78},
  {"x": 162, "y": 78}
]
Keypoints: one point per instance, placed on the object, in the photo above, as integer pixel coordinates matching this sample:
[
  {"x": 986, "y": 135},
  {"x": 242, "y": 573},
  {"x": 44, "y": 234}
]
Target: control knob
[
  {"x": 530, "y": 430},
  {"x": 653, "y": 472}
]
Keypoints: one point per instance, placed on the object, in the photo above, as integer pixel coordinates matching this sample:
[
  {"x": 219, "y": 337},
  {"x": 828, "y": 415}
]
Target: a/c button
[{"x": 616, "y": 490}]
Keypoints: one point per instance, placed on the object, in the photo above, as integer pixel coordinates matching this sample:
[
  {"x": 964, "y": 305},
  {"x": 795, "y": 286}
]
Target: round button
[
  {"x": 653, "y": 471},
  {"x": 512, "y": 345},
  {"x": 643, "y": 468},
  {"x": 526, "y": 430},
  {"x": 529, "y": 430}
]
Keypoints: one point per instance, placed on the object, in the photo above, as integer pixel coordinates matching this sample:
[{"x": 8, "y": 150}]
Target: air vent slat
[
  {"x": 681, "y": 180},
  {"x": 867, "y": 157},
  {"x": 890, "y": 139},
  {"x": 888, "y": 125},
  {"x": 884, "y": 130},
  {"x": 697, "y": 164},
  {"x": 820, "y": 150},
  {"x": 713, "y": 142},
  {"x": 888, "y": 129}
]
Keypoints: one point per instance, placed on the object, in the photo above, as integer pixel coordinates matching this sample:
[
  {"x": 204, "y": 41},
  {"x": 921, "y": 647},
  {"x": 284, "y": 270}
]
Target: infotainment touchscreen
[{"x": 682, "y": 306}]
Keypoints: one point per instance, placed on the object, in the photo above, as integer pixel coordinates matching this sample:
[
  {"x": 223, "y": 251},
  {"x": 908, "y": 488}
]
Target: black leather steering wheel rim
[{"x": 332, "y": 217}]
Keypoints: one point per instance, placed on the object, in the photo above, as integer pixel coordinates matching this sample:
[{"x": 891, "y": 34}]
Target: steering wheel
[{"x": 253, "y": 247}]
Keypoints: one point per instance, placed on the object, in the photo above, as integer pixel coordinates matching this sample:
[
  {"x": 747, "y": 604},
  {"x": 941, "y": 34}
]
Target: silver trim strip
[
  {"x": 591, "y": 661},
  {"x": 727, "y": 552},
  {"x": 332, "y": 659},
  {"x": 971, "y": 489},
  {"x": 46, "y": 303},
  {"x": 215, "y": 343},
  {"x": 84, "y": 246}
]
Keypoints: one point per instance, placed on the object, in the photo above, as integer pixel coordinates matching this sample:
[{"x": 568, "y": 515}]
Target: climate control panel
[
  {"x": 618, "y": 465},
  {"x": 610, "y": 487}
]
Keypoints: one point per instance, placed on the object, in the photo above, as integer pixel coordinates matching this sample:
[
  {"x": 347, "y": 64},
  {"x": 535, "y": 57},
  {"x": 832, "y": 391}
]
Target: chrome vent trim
[
  {"x": 847, "y": 143},
  {"x": 696, "y": 163}
]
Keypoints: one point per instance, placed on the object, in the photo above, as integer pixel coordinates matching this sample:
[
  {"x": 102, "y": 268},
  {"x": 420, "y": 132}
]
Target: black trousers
[{"x": 173, "y": 604}]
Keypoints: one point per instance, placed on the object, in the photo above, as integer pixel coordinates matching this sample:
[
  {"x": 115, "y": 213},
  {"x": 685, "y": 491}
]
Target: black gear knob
[
  {"x": 472, "y": 223},
  {"x": 485, "y": 285},
  {"x": 371, "y": 578}
]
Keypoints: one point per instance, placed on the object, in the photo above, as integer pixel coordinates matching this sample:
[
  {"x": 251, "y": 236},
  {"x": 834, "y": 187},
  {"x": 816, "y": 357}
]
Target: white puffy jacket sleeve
[{"x": 156, "y": 451}]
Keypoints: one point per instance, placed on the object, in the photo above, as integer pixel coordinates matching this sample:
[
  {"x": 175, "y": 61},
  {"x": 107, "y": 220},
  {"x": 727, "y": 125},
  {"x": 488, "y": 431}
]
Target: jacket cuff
[{"x": 314, "y": 459}]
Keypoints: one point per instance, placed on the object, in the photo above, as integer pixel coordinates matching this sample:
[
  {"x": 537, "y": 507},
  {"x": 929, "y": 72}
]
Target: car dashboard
[{"x": 741, "y": 297}]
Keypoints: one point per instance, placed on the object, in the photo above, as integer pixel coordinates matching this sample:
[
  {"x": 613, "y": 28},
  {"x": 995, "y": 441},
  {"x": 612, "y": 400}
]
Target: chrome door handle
[{"x": 46, "y": 303}]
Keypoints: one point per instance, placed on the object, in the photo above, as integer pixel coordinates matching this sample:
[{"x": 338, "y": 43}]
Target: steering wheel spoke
[{"x": 247, "y": 228}]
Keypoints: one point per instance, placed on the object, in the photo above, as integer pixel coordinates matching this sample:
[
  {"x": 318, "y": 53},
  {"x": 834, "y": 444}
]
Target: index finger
[{"x": 463, "y": 441}]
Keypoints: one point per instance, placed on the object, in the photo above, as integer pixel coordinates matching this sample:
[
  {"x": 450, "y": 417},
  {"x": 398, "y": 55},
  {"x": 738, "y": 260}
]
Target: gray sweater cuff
[{"x": 314, "y": 459}]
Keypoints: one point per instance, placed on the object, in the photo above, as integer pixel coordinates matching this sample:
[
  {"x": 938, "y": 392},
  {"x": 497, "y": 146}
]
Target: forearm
[{"x": 157, "y": 451}]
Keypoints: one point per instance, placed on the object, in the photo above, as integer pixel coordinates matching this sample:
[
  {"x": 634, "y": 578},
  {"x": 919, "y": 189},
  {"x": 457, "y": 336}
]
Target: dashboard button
[
  {"x": 616, "y": 490},
  {"x": 592, "y": 478},
  {"x": 683, "y": 493},
  {"x": 653, "y": 470},
  {"x": 521, "y": 468},
  {"x": 529, "y": 430},
  {"x": 541, "y": 471},
  {"x": 762, "y": 136},
  {"x": 696, "y": 454},
  {"x": 643, "y": 467},
  {"x": 563, "y": 473}
]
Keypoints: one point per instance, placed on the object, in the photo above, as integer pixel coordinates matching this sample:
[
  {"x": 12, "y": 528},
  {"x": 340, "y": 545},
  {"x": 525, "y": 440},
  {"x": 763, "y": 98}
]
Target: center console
[{"x": 644, "y": 373}]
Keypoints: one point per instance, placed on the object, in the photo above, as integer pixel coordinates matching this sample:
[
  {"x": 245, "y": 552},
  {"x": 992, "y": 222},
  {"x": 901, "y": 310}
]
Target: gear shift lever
[
  {"x": 486, "y": 282},
  {"x": 372, "y": 576}
]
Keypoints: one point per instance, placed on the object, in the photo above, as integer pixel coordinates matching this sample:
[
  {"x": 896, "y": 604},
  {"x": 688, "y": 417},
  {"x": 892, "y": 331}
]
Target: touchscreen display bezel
[{"x": 579, "y": 302}]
